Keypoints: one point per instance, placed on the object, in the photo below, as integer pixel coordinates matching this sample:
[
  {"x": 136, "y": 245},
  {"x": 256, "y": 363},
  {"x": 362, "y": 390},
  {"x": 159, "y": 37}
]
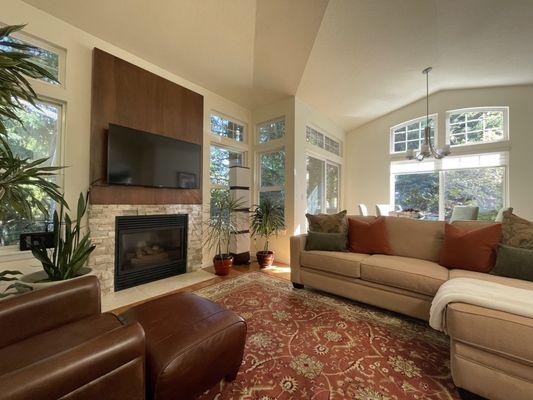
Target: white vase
[{"x": 37, "y": 280}]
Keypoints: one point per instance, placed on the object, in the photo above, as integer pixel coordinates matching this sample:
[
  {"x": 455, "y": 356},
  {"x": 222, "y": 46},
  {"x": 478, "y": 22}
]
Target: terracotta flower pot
[
  {"x": 222, "y": 264},
  {"x": 265, "y": 259}
]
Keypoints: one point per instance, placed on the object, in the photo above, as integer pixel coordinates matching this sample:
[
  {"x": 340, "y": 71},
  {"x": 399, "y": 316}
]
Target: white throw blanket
[{"x": 479, "y": 293}]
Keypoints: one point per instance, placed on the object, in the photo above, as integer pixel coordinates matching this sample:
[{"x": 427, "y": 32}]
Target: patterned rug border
[{"x": 354, "y": 309}]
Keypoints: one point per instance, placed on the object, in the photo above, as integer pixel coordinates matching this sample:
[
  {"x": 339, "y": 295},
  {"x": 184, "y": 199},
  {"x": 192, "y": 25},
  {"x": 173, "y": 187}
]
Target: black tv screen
[{"x": 140, "y": 158}]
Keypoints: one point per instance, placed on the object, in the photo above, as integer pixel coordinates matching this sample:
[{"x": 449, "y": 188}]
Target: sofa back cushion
[{"x": 415, "y": 238}]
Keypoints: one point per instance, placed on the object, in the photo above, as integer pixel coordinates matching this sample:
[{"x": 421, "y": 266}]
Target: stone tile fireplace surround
[{"x": 102, "y": 232}]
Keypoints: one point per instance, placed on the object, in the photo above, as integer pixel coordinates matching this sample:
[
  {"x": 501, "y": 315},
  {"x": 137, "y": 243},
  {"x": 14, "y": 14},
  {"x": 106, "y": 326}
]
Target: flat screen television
[{"x": 140, "y": 158}]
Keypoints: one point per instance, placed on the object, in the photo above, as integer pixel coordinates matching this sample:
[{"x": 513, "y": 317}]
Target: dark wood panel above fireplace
[{"x": 127, "y": 95}]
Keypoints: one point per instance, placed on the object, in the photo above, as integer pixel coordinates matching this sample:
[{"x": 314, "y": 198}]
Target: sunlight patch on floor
[{"x": 278, "y": 269}]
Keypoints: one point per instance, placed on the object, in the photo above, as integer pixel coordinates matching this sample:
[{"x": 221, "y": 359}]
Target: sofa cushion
[
  {"x": 498, "y": 332},
  {"x": 412, "y": 274},
  {"x": 517, "y": 283},
  {"x": 336, "y": 262},
  {"x": 414, "y": 238}
]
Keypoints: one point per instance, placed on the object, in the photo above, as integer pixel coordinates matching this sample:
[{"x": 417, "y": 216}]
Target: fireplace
[{"x": 148, "y": 248}]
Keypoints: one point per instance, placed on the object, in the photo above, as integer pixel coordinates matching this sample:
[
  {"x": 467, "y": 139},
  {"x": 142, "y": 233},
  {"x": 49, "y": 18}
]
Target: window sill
[{"x": 12, "y": 253}]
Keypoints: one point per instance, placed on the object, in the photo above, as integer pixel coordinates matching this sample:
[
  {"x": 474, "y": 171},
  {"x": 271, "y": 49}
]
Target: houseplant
[
  {"x": 70, "y": 251},
  {"x": 220, "y": 224},
  {"x": 267, "y": 220},
  {"x": 20, "y": 177}
]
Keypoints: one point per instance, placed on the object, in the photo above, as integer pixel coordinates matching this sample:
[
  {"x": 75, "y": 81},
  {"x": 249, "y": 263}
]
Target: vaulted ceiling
[{"x": 353, "y": 60}]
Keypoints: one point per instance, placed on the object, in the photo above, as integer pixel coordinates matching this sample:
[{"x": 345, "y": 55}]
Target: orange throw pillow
[
  {"x": 368, "y": 237},
  {"x": 474, "y": 250}
]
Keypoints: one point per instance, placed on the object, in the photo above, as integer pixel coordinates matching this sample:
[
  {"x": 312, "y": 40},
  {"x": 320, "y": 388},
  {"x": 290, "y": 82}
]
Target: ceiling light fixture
[{"x": 428, "y": 148}]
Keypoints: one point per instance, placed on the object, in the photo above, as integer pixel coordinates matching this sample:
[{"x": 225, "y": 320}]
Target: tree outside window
[
  {"x": 36, "y": 140},
  {"x": 221, "y": 160},
  {"x": 272, "y": 176}
]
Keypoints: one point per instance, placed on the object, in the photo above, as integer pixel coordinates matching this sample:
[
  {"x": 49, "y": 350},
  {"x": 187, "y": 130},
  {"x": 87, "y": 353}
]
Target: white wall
[
  {"x": 367, "y": 147},
  {"x": 76, "y": 91}
]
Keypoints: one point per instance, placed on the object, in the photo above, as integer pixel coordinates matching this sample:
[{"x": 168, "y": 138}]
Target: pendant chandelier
[{"x": 428, "y": 147}]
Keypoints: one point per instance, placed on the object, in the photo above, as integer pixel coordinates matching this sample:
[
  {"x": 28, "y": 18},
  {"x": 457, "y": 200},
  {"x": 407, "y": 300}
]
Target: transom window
[
  {"x": 272, "y": 176},
  {"x": 225, "y": 127},
  {"x": 38, "y": 138},
  {"x": 322, "y": 140},
  {"x": 44, "y": 55},
  {"x": 410, "y": 135},
  {"x": 477, "y": 125},
  {"x": 271, "y": 130}
]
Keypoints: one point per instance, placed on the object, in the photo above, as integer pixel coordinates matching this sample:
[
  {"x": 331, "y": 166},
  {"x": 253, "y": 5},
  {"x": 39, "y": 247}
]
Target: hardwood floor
[{"x": 279, "y": 270}]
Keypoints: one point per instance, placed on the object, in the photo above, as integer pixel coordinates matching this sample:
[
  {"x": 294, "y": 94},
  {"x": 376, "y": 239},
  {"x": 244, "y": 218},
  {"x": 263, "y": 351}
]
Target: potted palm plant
[
  {"x": 221, "y": 223},
  {"x": 20, "y": 176},
  {"x": 267, "y": 220},
  {"x": 71, "y": 249}
]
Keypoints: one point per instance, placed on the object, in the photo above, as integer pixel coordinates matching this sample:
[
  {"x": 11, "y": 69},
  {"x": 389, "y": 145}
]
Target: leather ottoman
[{"x": 191, "y": 344}]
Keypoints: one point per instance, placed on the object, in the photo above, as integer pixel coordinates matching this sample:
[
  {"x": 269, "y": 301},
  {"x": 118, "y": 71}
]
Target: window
[
  {"x": 226, "y": 128},
  {"x": 39, "y": 138},
  {"x": 323, "y": 141},
  {"x": 419, "y": 191},
  {"x": 43, "y": 54},
  {"x": 221, "y": 160},
  {"x": 271, "y": 130},
  {"x": 272, "y": 176},
  {"x": 322, "y": 186},
  {"x": 476, "y": 125},
  {"x": 314, "y": 137},
  {"x": 410, "y": 135},
  {"x": 435, "y": 187}
]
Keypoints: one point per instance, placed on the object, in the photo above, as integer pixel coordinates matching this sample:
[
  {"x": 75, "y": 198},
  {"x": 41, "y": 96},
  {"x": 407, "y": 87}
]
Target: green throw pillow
[
  {"x": 514, "y": 262},
  {"x": 326, "y": 241}
]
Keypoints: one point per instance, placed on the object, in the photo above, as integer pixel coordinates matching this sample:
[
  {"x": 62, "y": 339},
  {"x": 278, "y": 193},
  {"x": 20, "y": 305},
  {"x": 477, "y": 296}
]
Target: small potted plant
[
  {"x": 220, "y": 225},
  {"x": 67, "y": 258},
  {"x": 267, "y": 220}
]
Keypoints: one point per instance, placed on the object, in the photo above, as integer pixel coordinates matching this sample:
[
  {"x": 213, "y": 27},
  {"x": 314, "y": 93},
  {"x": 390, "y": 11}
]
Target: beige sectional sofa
[{"x": 491, "y": 351}]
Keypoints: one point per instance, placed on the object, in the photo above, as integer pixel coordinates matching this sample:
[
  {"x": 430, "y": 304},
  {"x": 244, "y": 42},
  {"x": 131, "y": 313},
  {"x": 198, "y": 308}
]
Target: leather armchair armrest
[
  {"x": 41, "y": 310},
  {"x": 68, "y": 371},
  {"x": 297, "y": 246}
]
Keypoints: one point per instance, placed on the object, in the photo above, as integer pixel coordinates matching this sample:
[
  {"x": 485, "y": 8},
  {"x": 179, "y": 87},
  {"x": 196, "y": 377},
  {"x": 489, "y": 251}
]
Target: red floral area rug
[{"x": 303, "y": 344}]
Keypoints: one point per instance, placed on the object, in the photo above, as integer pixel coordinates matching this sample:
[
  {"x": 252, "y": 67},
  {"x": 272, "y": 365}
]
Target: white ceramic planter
[{"x": 34, "y": 279}]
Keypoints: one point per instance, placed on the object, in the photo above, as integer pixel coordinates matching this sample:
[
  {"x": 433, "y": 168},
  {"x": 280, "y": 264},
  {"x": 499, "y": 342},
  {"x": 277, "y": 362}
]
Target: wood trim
[{"x": 127, "y": 95}]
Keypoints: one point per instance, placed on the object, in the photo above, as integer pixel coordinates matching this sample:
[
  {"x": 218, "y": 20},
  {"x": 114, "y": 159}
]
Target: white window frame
[
  {"x": 270, "y": 121},
  {"x": 435, "y": 117},
  {"x": 61, "y": 53},
  {"x": 504, "y": 109},
  {"x": 433, "y": 166},
  {"x": 276, "y": 188},
  {"x": 325, "y": 177},
  {"x": 228, "y": 142}
]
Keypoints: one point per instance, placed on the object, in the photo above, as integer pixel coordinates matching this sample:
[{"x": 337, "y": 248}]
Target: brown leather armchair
[{"x": 56, "y": 344}]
